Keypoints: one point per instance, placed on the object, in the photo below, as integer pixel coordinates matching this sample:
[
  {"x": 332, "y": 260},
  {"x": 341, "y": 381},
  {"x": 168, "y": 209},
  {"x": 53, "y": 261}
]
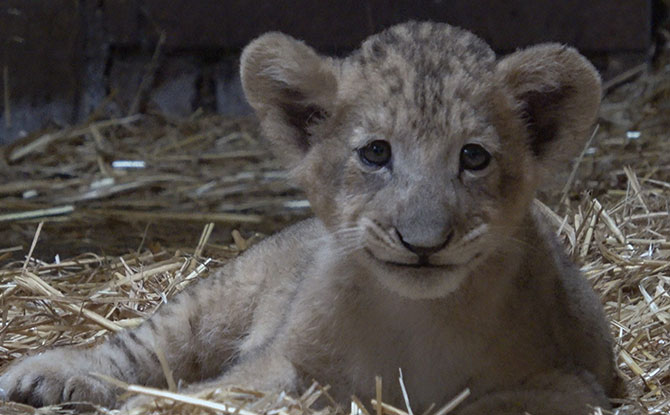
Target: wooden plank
[
  {"x": 596, "y": 25},
  {"x": 122, "y": 21},
  {"x": 40, "y": 44},
  {"x": 41, "y": 49}
]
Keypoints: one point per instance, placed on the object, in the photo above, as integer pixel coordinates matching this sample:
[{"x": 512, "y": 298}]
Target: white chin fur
[{"x": 417, "y": 284}]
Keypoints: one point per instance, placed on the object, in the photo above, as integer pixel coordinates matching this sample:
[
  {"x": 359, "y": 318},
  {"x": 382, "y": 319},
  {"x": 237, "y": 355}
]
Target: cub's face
[
  {"x": 420, "y": 152},
  {"x": 420, "y": 199}
]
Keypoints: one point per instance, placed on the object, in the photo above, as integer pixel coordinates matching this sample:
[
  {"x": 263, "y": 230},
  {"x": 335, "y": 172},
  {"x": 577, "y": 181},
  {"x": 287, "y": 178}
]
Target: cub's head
[{"x": 421, "y": 151}]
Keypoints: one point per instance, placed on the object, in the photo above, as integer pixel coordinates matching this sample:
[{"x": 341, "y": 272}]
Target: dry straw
[{"x": 612, "y": 216}]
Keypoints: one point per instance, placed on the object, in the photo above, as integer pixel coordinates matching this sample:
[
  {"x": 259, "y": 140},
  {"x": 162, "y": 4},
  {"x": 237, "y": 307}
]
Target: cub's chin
[{"x": 416, "y": 281}]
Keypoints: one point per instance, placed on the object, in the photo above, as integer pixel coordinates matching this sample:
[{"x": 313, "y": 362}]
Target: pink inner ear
[
  {"x": 558, "y": 93},
  {"x": 542, "y": 113},
  {"x": 302, "y": 116}
]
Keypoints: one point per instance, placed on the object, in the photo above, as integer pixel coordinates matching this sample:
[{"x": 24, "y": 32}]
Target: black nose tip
[{"x": 425, "y": 251}]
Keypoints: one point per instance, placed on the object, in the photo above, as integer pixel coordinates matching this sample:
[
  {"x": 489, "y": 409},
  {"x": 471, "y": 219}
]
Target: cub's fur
[{"x": 420, "y": 154}]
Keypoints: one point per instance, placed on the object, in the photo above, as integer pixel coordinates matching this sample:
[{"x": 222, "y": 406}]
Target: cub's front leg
[
  {"x": 197, "y": 346},
  {"x": 265, "y": 370},
  {"x": 65, "y": 374},
  {"x": 554, "y": 393}
]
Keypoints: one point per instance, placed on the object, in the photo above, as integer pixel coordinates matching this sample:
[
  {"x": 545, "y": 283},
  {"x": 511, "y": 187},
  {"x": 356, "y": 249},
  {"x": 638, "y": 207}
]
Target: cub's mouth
[{"x": 421, "y": 263}]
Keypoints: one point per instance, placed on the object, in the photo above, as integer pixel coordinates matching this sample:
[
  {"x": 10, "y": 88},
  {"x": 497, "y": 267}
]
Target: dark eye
[
  {"x": 376, "y": 153},
  {"x": 474, "y": 157}
]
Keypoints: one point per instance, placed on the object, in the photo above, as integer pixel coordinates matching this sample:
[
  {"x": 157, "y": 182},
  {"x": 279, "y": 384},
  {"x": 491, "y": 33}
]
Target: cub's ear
[
  {"x": 557, "y": 95},
  {"x": 291, "y": 88}
]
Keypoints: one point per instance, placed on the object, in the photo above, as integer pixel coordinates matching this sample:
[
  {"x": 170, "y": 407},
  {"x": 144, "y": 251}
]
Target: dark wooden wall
[
  {"x": 60, "y": 58},
  {"x": 602, "y": 25}
]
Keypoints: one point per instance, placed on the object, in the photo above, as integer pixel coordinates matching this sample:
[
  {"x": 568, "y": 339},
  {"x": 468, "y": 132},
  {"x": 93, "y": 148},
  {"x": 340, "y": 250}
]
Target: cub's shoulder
[
  {"x": 288, "y": 250},
  {"x": 301, "y": 235}
]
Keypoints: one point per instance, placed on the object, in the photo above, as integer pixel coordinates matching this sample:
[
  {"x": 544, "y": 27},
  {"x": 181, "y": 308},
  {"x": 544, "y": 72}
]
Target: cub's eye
[
  {"x": 474, "y": 157},
  {"x": 376, "y": 153}
]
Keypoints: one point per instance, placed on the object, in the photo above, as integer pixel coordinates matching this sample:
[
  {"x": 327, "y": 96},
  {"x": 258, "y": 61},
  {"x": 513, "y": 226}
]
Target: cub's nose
[{"x": 425, "y": 251}]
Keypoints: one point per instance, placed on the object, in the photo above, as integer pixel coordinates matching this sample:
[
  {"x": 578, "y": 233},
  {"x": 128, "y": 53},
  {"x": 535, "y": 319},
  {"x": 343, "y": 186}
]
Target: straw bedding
[{"x": 101, "y": 223}]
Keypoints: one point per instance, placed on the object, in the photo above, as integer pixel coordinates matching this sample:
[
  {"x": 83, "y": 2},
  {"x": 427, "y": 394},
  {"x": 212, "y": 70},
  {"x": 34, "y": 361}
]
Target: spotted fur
[{"x": 420, "y": 263}]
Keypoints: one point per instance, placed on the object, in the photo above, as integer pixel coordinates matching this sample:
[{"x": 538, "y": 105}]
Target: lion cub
[{"x": 420, "y": 154}]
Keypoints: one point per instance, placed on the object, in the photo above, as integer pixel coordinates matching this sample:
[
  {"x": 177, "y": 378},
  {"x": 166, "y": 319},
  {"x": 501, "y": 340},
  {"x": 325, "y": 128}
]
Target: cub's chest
[
  {"x": 436, "y": 358},
  {"x": 439, "y": 356},
  {"x": 365, "y": 341}
]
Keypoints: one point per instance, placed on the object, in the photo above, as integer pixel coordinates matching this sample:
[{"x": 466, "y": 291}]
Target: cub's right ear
[{"x": 291, "y": 88}]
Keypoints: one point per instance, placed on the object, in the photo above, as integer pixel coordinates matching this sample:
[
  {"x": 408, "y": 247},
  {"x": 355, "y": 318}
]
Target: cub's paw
[
  {"x": 54, "y": 377},
  {"x": 144, "y": 402}
]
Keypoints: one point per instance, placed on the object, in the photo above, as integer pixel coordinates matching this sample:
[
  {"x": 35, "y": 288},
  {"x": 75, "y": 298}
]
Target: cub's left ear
[{"x": 557, "y": 94}]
